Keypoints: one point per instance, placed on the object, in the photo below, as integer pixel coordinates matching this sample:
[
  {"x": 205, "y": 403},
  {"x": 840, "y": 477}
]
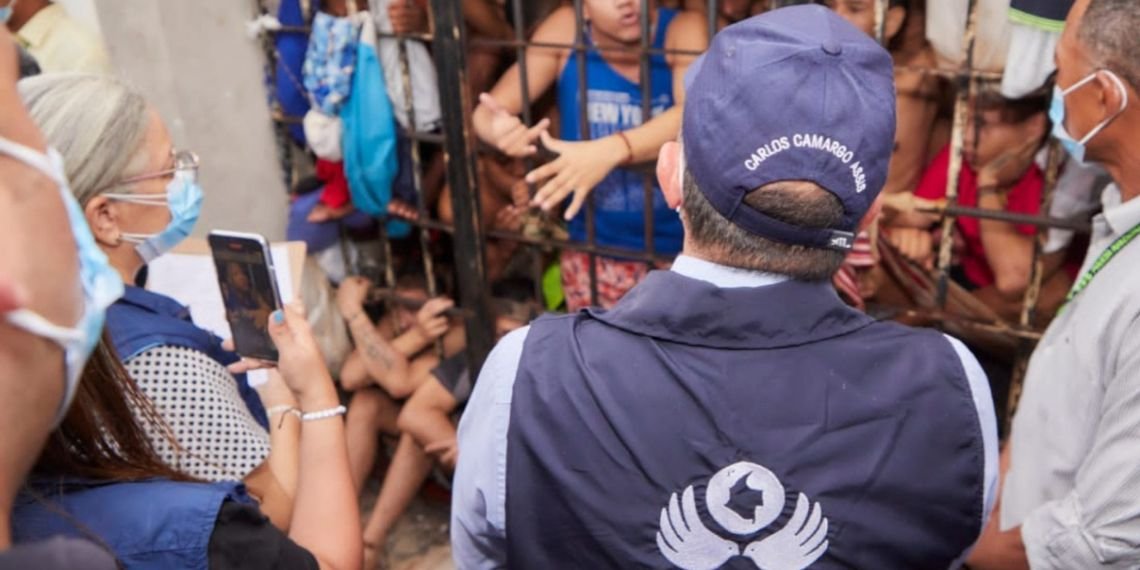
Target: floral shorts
[{"x": 615, "y": 278}]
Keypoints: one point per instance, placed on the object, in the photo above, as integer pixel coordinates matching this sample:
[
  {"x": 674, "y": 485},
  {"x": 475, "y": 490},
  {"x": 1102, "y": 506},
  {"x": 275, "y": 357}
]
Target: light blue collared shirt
[{"x": 479, "y": 492}]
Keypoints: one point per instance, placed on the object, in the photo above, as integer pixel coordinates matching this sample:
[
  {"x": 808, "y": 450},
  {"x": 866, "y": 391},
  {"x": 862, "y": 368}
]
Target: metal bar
[
  {"x": 386, "y": 296},
  {"x": 524, "y": 87},
  {"x": 997, "y": 328},
  {"x": 417, "y": 177},
  {"x": 1033, "y": 293},
  {"x": 608, "y": 251},
  {"x": 646, "y": 77},
  {"x": 714, "y": 18},
  {"x": 578, "y": 45},
  {"x": 470, "y": 264},
  {"x": 282, "y": 144},
  {"x": 389, "y": 275},
  {"x": 584, "y": 134},
  {"x": 977, "y": 74},
  {"x": 881, "y": 21},
  {"x": 520, "y": 54},
  {"x": 961, "y": 109},
  {"x": 1076, "y": 225}
]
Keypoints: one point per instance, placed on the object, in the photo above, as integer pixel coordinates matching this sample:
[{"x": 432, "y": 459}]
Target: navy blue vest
[
  {"x": 771, "y": 427},
  {"x": 155, "y": 524},
  {"x": 142, "y": 320}
]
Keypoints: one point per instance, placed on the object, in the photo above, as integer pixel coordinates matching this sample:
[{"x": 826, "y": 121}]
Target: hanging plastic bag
[
  {"x": 425, "y": 89},
  {"x": 369, "y": 144},
  {"x": 946, "y": 30},
  {"x": 324, "y": 134}
]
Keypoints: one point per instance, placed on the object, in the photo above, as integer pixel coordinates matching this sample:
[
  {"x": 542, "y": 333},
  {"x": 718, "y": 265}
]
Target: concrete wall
[{"x": 198, "y": 67}]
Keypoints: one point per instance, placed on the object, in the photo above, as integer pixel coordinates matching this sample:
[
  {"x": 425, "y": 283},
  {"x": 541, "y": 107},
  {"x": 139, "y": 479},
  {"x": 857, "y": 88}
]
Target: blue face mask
[
  {"x": 6, "y": 12},
  {"x": 1076, "y": 148},
  {"x": 101, "y": 285},
  {"x": 184, "y": 198}
]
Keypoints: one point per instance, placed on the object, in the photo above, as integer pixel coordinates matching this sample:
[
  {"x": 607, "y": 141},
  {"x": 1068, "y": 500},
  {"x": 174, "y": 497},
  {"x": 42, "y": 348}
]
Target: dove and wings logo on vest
[{"x": 685, "y": 541}]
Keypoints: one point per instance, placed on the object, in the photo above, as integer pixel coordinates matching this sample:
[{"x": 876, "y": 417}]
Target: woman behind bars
[{"x": 618, "y": 136}]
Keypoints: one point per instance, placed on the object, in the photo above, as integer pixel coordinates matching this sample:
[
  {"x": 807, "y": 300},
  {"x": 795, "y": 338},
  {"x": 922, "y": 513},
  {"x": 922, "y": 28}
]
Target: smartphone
[{"x": 249, "y": 290}]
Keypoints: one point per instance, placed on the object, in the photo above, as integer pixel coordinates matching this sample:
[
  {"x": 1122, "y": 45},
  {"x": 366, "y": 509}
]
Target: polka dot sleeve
[{"x": 200, "y": 401}]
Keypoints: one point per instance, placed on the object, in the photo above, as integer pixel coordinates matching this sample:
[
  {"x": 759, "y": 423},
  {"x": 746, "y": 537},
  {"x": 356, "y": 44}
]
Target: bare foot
[
  {"x": 323, "y": 213},
  {"x": 402, "y": 209}
]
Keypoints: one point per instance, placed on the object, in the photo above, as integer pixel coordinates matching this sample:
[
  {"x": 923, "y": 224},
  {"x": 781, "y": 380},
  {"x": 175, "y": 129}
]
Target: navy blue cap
[{"x": 793, "y": 94}]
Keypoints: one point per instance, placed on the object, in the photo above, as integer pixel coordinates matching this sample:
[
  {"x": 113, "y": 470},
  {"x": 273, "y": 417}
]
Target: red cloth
[
  {"x": 1023, "y": 198},
  {"x": 859, "y": 259},
  {"x": 335, "y": 193}
]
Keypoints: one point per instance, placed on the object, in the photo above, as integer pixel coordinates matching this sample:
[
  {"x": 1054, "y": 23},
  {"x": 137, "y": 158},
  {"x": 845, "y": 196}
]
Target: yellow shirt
[{"x": 59, "y": 43}]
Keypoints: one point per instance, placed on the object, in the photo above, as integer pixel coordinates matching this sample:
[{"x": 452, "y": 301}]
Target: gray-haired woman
[{"x": 140, "y": 196}]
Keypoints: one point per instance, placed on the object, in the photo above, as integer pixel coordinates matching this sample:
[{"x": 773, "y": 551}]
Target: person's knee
[{"x": 409, "y": 419}]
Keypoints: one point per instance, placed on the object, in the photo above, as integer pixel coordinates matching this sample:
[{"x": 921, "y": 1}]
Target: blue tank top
[{"x": 613, "y": 104}]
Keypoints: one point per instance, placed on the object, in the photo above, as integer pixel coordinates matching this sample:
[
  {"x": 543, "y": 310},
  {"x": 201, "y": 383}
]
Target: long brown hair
[{"x": 103, "y": 438}]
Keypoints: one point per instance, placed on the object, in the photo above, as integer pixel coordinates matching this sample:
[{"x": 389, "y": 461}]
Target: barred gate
[{"x": 449, "y": 44}]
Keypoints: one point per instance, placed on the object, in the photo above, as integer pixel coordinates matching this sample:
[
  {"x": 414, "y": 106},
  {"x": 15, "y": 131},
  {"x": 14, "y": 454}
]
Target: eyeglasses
[{"x": 185, "y": 167}]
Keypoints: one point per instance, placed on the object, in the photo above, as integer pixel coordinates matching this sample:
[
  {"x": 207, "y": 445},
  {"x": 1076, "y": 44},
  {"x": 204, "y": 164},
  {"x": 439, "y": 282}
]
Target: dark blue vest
[
  {"x": 726, "y": 426},
  {"x": 155, "y": 524},
  {"x": 142, "y": 320}
]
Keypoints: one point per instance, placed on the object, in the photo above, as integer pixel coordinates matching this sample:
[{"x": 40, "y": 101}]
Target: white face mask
[{"x": 101, "y": 285}]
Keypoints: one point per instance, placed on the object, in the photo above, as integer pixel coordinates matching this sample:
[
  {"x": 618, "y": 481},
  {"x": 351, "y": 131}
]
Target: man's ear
[
  {"x": 669, "y": 173},
  {"x": 871, "y": 215},
  {"x": 102, "y": 218},
  {"x": 896, "y": 17},
  {"x": 1112, "y": 98}
]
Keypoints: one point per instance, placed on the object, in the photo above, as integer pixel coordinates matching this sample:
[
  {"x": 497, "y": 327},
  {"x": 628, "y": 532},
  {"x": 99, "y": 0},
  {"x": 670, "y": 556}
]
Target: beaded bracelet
[{"x": 323, "y": 414}]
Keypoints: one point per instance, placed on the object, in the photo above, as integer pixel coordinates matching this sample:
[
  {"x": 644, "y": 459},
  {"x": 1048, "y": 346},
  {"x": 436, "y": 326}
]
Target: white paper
[{"x": 193, "y": 281}]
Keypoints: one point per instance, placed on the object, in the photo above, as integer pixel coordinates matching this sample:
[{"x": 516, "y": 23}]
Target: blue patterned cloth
[{"x": 329, "y": 62}]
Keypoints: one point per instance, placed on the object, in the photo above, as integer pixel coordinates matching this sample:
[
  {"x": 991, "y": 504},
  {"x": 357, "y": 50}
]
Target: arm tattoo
[{"x": 375, "y": 349}]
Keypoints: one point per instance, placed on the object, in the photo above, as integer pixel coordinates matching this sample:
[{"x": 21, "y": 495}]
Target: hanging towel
[
  {"x": 329, "y": 62},
  {"x": 946, "y": 28},
  {"x": 1048, "y": 15},
  {"x": 1037, "y": 26},
  {"x": 425, "y": 89},
  {"x": 369, "y": 145}
]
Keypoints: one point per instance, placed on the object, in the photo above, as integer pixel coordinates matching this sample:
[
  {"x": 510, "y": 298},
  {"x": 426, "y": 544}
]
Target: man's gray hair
[
  {"x": 96, "y": 123},
  {"x": 801, "y": 203},
  {"x": 1111, "y": 30}
]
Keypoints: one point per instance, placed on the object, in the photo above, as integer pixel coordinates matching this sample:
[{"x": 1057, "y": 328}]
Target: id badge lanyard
[{"x": 1101, "y": 262}]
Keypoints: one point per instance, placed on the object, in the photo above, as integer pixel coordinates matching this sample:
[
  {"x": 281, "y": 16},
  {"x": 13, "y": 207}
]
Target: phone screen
[{"x": 249, "y": 292}]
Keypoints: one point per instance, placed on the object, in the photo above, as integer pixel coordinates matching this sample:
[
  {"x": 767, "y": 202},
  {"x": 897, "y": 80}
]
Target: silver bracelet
[{"x": 323, "y": 414}]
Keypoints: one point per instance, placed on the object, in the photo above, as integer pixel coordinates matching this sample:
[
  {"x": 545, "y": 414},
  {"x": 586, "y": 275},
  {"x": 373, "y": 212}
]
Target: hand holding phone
[{"x": 249, "y": 290}]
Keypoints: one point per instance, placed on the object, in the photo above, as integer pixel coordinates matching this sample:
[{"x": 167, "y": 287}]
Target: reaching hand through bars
[
  {"x": 507, "y": 132},
  {"x": 580, "y": 166}
]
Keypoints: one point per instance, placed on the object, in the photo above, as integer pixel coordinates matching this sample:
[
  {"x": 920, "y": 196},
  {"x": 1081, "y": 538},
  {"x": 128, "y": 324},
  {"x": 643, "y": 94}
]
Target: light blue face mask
[
  {"x": 1076, "y": 148},
  {"x": 101, "y": 285},
  {"x": 6, "y": 12},
  {"x": 184, "y": 198}
]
